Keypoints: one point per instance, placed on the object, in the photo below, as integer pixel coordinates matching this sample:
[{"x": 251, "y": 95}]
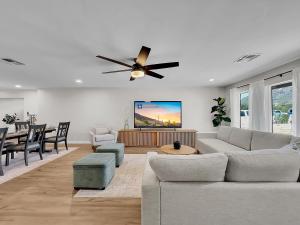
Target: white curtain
[
  {"x": 268, "y": 109},
  {"x": 296, "y": 103},
  {"x": 257, "y": 119},
  {"x": 235, "y": 107}
]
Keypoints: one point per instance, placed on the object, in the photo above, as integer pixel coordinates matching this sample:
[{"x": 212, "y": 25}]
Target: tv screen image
[{"x": 157, "y": 114}]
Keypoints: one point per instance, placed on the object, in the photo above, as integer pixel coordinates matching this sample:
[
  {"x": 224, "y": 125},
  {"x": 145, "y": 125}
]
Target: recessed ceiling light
[
  {"x": 78, "y": 81},
  {"x": 211, "y": 80},
  {"x": 248, "y": 58},
  {"x": 18, "y": 86}
]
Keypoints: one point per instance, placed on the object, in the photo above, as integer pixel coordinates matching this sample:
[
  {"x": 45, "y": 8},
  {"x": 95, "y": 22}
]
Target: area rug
[
  {"x": 127, "y": 182},
  {"x": 17, "y": 165}
]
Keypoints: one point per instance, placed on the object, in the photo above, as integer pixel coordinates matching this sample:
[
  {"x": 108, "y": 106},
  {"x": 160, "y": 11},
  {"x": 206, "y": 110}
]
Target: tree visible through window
[
  {"x": 244, "y": 109},
  {"x": 282, "y": 108}
]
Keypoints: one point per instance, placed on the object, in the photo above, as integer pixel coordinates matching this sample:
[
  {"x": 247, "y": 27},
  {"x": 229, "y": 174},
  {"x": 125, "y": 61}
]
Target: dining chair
[
  {"x": 23, "y": 125},
  {"x": 3, "y": 132},
  {"x": 6, "y": 144},
  {"x": 33, "y": 143},
  {"x": 61, "y": 136},
  {"x": 20, "y": 125}
]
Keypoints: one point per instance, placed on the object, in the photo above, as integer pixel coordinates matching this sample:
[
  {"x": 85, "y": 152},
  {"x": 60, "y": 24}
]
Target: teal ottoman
[
  {"x": 94, "y": 171},
  {"x": 116, "y": 148}
]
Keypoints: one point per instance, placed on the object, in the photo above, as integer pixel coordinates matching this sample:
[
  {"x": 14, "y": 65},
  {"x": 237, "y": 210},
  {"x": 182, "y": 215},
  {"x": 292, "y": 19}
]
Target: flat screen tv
[{"x": 157, "y": 114}]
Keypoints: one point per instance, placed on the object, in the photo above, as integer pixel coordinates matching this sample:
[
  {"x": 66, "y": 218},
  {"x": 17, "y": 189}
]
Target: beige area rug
[
  {"x": 127, "y": 182},
  {"x": 17, "y": 165}
]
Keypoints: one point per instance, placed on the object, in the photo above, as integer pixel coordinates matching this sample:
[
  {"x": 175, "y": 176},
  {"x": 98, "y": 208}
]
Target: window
[
  {"x": 244, "y": 109},
  {"x": 282, "y": 108}
]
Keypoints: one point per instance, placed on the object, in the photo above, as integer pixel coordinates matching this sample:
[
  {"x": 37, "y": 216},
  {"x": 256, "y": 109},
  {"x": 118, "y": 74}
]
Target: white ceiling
[{"x": 59, "y": 39}]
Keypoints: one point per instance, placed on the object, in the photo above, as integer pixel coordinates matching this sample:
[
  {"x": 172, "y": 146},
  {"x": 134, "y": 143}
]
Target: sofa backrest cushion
[
  {"x": 224, "y": 133},
  {"x": 268, "y": 166},
  {"x": 264, "y": 140},
  {"x": 101, "y": 130},
  {"x": 241, "y": 138},
  {"x": 206, "y": 168}
]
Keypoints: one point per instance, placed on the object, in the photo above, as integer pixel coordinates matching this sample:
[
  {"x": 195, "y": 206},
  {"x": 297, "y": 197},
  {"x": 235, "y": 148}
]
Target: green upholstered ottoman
[
  {"x": 116, "y": 148},
  {"x": 94, "y": 171}
]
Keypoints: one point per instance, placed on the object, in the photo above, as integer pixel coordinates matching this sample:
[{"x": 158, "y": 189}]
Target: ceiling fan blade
[
  {"x": 132, "y": 79},
  {"x": 153, "y": 74},
  {"x": 143, "y": 55},
  {"x": 161, "y": 66},
  {"x": 116, "y": 71},
  {"x": 114, "y": 61}
]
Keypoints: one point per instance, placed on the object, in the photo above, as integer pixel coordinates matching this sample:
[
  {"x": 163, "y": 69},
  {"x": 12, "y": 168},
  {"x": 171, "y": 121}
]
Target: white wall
[
  {"x": 29, "y": 96},
  {"x": 11, "y": 106},
  {"x": 109, "y": 107}
]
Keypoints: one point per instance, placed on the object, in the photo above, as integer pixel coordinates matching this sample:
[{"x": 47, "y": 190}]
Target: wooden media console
[{"x": 156, "y": 137}]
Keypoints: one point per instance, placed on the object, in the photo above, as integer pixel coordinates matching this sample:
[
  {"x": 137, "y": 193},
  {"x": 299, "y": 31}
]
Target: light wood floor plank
[{"x": 45, "y": 196}]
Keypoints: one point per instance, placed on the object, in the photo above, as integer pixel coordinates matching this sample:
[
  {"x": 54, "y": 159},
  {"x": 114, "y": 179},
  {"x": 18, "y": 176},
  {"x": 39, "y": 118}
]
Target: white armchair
[{"x": 100, "y": 136}]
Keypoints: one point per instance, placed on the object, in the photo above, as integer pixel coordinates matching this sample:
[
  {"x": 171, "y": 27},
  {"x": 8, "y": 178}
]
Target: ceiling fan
[{"x": 139, "y": 68}]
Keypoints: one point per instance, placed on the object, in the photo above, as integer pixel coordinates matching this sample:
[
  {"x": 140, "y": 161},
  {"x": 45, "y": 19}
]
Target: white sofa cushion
[
  {"x": 224, "y": 133},
  {"x": 101, "y": 131},
  {"x": 241, "y": 138},
  {"x": 228, "y": 203},
  {"x": 207, "y": 168},
  {"x": 211, "y": 145},
  {"x": 263, "y": 140},
  {"x": 285, "y": 149},
  {"x": 295, "y": 139},
  {"x": 295, "y": 142},
  {"x": 259, "y": 166},
  {"x": 104, "y": 137}
]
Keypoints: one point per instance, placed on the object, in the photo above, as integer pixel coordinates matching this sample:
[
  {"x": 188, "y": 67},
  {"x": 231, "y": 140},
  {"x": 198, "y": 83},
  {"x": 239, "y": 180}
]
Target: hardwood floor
[{"x": 45, "y": 196}]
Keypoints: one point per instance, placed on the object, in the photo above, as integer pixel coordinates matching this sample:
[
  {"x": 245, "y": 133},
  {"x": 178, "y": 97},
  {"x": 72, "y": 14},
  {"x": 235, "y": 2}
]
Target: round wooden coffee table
[{"x": 184, "y": 150}]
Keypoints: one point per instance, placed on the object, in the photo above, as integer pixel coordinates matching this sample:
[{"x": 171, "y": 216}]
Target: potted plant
[
  {"x": 219, "y": 112},
  {"x": 10, "y": 121}
]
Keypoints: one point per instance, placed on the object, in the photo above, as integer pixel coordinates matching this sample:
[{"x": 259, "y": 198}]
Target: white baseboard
[{"x": 79, "y": 142}]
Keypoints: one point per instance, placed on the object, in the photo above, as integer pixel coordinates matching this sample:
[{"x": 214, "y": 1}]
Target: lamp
[{"x": 136, "y": 73}]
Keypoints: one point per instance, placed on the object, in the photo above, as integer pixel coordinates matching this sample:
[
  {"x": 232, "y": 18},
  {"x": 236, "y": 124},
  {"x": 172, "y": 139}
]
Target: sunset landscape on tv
[{"x": 157, "y": 114}]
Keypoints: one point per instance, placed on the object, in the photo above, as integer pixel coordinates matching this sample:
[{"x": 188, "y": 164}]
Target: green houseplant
[
  {"x": 219, "y": 112},
  {"x": 10, "y": 119}
]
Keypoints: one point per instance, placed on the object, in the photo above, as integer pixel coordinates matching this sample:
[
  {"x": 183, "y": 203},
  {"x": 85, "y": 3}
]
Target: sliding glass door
[{"x": 282, "y": 95}]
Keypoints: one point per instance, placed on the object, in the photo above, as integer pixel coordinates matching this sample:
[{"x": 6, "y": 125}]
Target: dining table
[
  {"x": 19, "y": 134},
  {"x": 24, "y": 133}
]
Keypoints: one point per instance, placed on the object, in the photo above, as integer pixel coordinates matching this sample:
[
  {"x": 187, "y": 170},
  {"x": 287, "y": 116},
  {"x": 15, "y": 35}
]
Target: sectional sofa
[
  {"x": 234, "y": 185},
  {"x": 230, "y": 139}
]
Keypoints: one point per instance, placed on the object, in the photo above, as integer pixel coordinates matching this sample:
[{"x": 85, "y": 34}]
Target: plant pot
[{"x": 177, "y": 145}]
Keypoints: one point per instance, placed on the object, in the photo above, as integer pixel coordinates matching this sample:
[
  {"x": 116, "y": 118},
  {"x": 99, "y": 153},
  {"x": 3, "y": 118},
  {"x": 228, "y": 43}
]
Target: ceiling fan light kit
[
  {"x": 139, "y": 69},
  {"x": 137, "y": 73}
]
